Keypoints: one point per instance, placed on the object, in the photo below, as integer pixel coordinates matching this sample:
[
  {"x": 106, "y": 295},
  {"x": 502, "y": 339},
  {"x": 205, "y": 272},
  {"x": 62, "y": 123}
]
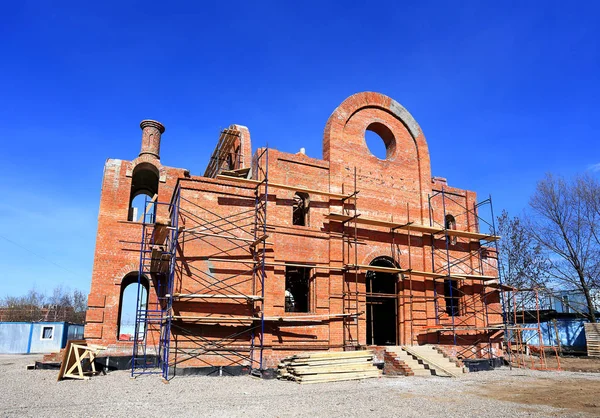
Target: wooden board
[
  {"x": 160, "y": 260},
  {"x": 411, "y": 226},
  {"x": 215, "y": 319},
  {"x": 76, "y": 352},
  {"x": 285, "y": 187},
  {"x": 240, "y": 172},
  {"x": 592, "y": 336},
  {"x": 472, "y": 235},
  {"x": 338, "y": 217},
  {"x": 333, "y": 354},
  {"x": 213, "y": 296},
  {"x": 280, "y": 264},
  {"x": 503, "y": 287},
  {"x": 148, "y": 205},
  {"x": 375, "y": 268},
  {"x": 161, "y": 231},
  {"x": 391, "y": 270},
  {"x": 323, "y": 362},
  {"x": 329, "y": 366},
  {"x": 68, "y": 359},
  {"x": 359, "y": 367}
]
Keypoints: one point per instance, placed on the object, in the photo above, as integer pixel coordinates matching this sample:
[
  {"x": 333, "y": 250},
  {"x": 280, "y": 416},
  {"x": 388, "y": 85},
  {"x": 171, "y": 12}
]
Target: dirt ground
[
  {"x": 562, "y": 391},
  {"x": 503, "y": 392},
  {"x": 580, "y": 364}
]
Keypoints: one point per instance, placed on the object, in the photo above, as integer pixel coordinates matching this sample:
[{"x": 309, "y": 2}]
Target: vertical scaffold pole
[
  {"x": 263, "y": 273},
  {"x": 168, "y": 311},
  {"x": 138, "y": 312},
  {"x": 357, "y": 342},
  {"x": 499, "y": 269}
]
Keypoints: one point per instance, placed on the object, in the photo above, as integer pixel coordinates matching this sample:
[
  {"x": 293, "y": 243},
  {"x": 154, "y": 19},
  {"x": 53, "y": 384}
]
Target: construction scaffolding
[
  {"x": 462, "y": 285},
  {"x": 240, "y": 237},
  {"x": 158, "y": 248},
  {"x": 467, "y": 288},
  {"x": 351, "y": 295},
  {"x": 467, "y": 304},
  {"x": 524, "y": 338}
]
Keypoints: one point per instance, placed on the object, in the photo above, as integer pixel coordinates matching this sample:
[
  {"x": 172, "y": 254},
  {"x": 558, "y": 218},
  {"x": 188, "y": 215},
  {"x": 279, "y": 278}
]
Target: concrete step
[
  {"x": 417, "y": 367},
  {"x": 432, "y": 353},
  {"x": 429, "y": 355}
]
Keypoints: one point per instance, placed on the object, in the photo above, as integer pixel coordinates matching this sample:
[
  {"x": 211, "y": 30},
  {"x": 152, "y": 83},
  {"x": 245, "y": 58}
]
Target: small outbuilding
[{"x": 37, "y": 337}]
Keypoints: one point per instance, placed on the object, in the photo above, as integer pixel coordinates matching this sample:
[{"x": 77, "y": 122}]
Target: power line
[{"x": 40, "y": 256}]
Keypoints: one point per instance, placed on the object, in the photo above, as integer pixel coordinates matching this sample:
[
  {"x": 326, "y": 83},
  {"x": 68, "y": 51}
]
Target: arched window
[
  {"x": 300, "y": 209},
  {"x": 128, "y": 304},
  {"x": 144, "y": 185},
  {"x": 450, "y": 224}
]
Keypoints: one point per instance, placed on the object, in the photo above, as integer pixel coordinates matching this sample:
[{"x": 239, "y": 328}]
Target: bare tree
[
  {"x": 522, "y": 259},
  {"x": 588, "y": 190},
  {"x": 79, "y": 306},
  {"x": 35, "y": 306},
  {"x": 23, "y": 308},
  {"x": 564, "y": 221}
]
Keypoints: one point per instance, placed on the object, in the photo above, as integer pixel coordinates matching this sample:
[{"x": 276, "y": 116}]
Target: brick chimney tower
[{"x": 151, "y": 132}]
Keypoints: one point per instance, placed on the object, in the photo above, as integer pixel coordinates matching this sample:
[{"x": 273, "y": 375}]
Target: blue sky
[{"x": 504, "y": 92}]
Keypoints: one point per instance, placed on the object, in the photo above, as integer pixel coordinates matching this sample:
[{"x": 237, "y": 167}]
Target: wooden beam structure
[
  {"x": 431, "y": 274},
  {"x": 76, "y": 352},
  {"x": 285, "y": 187},
  {"x": 224, "y": 144},
  {"x": 213, "y": 296},
  {"x": 411, "y": 226}
]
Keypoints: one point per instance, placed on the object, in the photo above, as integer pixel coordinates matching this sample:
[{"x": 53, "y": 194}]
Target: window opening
[
  {"x": 144, "y": 186},
  {"x": 142, "y": 208},
  {"x": 380, "y": 141},
  {"x": 47, "y": 333},
  {"x": 450, "y": 224},
  {"x": 127, "y": 307},
  {"x": 300, "y": 209},
  {"x": 230, "y": 165},
  {"x": 297, "y": 289},
  {"x": 451, "y": 295}
]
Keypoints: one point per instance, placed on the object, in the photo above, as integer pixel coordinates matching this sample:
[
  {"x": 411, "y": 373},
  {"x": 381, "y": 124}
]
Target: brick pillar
[{"x": 151, "y": 132}]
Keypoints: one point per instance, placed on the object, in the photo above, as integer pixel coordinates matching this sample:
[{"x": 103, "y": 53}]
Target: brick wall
[{"x": 395, "y": 189}]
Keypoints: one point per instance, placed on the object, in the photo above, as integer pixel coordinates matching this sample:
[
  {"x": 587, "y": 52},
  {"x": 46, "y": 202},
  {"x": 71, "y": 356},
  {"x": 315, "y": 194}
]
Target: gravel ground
[{"x": 36, "y": 393}]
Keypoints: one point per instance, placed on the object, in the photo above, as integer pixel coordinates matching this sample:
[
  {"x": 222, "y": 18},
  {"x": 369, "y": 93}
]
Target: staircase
[{"x": 423, "y": 360}]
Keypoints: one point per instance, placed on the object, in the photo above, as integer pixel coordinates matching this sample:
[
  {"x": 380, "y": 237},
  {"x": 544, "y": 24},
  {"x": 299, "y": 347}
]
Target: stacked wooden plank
[
  {"x": 328, "y": 366},
  {"x": 592, "y": 336}
]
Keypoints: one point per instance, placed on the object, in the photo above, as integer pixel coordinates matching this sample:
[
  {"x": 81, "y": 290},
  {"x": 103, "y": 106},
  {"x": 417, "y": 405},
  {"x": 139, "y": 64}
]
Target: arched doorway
[
  {"x": 128, "y": 304},
  {"x": 382, "y": 303}
]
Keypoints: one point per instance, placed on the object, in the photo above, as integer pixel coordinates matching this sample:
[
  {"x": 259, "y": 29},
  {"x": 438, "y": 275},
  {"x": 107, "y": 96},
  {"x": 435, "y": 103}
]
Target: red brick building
[{"x": 274, "y": 253}]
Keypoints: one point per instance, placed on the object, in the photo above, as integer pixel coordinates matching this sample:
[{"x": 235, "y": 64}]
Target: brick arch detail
[
  {"x": 375, "y": 253},
  {"x": 344, "y": 147},
  {"x": 124, "y": 271},
  {"x": 370, "y": 100}
]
